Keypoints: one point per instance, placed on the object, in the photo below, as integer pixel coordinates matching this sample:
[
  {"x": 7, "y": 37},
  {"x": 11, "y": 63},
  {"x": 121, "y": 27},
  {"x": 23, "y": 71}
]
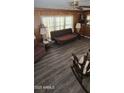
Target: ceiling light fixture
[{"x": 75, "y": 3}]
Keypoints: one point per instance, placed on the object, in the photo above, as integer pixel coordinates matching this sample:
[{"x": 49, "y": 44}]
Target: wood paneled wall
[
  {"x": 85, "y": 30},
  {"x": 43, "y": 11}
]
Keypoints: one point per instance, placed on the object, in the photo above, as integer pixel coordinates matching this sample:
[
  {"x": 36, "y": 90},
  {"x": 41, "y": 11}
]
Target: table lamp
[
  {"x": 43, "y": 32},
  {"x": 78, "y": 27}
]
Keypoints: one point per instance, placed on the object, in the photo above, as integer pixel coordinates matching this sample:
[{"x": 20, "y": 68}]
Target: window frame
[{"x": 71, "y": 24}]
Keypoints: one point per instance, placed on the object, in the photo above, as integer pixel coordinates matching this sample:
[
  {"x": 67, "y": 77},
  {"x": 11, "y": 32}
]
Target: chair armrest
[
  {"x": 42, "y": 45},
  {"x": 75, "y": 57}
]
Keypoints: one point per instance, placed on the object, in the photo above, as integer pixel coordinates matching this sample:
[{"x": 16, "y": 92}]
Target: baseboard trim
[{"x": 86, "y": 36}]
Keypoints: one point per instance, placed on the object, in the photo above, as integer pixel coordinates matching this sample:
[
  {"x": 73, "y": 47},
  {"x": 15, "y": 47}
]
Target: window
[
  {"x": 68, "y": 22},
  {"x": 57, "y": 22}
]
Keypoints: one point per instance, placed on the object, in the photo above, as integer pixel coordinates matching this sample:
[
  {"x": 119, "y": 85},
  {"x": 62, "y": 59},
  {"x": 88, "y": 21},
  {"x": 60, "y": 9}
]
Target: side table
[{"x": 47, "y": 44}]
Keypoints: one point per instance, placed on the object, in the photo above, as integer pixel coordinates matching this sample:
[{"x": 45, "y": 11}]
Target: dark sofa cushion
[
  {"x": 66, "y": 37},
  {"x": 62, "y": 36},
  {"x": 59, "y": 33},
  {"x": 39, "y": 50}
]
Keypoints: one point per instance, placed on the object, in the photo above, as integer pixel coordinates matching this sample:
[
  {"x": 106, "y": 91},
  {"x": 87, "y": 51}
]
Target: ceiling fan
[{"x": 75, "y": 5}]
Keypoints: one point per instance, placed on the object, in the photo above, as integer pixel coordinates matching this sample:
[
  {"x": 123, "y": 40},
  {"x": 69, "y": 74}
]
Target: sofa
[
  {"x": 63, "y": 36},
  {"x": 39, "y": 50}
]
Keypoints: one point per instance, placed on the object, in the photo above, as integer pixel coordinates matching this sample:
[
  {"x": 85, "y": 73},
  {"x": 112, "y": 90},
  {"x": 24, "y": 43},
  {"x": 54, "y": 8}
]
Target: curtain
[{"x": 53, "y": 23}]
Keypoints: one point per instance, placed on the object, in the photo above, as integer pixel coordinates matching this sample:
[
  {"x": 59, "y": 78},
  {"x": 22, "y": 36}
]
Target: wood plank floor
[{"x": 54, "y": 69}]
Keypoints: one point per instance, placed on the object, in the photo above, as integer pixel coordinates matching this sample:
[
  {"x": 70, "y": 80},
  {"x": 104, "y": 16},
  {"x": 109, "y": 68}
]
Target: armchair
[
  {"x": 39, "y": 50},
  {"x": 81, "y": 70}
]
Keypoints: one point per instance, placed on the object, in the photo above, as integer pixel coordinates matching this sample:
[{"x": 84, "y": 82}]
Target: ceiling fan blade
[{"x": 84, "y": 6}]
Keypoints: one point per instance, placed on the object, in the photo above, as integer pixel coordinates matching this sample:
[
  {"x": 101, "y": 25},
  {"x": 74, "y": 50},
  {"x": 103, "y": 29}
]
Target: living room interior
[{"x": 61, "y": 37}]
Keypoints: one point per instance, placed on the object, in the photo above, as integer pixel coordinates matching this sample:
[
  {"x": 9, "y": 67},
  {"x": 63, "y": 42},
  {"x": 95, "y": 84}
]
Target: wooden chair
[{"x": 77, "y": 69}]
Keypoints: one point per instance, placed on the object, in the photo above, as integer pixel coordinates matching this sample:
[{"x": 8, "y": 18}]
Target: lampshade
[
  {"x": 88, "y": 17},
  {"x": 43, "y": 31},
  {"x": 78, "y": 25}
]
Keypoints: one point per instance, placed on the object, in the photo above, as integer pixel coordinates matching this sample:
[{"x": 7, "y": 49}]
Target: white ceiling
[{"x": 57, "y": 4}]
